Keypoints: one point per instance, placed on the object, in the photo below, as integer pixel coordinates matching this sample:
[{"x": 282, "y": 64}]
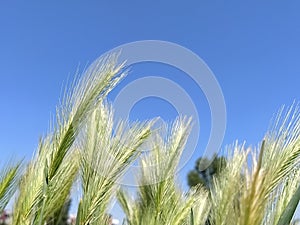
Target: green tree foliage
[{"x": 205, "y": 170}]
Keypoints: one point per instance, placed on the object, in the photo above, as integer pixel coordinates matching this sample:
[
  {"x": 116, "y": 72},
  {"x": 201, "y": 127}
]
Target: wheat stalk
[
  {"x": 160, "y": 200},
  {"x": 106, "y": 151},
  {"x": 49, "y": 169},
  {"x": 9, "y": 178}
]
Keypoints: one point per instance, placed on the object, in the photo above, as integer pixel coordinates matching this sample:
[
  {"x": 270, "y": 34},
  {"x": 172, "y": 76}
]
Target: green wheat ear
[
  {"x": 107, "y": 149},
  {"x": 48, "y": 178},
  {"x": 9, "y": 178}
]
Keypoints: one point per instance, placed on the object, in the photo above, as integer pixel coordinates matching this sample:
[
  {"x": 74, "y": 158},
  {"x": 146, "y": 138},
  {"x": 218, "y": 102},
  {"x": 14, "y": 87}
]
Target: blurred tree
[{"x": 205, "y": 170}]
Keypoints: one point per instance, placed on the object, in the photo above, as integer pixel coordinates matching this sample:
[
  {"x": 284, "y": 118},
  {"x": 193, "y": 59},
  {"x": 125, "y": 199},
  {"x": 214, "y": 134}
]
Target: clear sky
[{"x": 252, "y": 47}]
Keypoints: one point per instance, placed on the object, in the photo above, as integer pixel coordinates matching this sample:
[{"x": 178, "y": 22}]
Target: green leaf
[
  {"x": 192, "y": 217},
  {"x": 79, "y": 213},
  {"x": 289, "y": 211}
]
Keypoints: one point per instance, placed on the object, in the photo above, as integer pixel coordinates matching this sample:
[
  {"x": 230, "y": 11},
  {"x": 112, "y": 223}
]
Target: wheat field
[{"x": 259, "y": 185}]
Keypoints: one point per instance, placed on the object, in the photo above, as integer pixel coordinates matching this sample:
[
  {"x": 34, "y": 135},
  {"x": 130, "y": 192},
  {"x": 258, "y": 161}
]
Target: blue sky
[{"x": 252, "y": 47}]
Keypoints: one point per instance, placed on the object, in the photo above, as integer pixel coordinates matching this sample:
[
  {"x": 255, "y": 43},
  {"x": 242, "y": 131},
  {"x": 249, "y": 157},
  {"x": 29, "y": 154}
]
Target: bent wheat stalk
[
  {"x": 9, "y": 178},
  {"x": 257, "y": 191},
  {"x": 55, "y": 166}
]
